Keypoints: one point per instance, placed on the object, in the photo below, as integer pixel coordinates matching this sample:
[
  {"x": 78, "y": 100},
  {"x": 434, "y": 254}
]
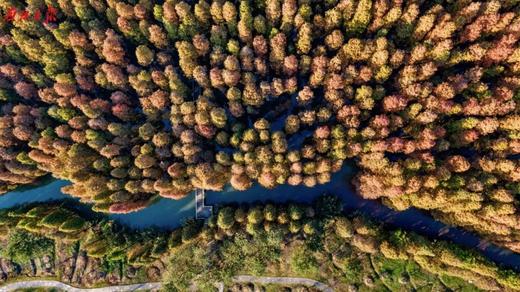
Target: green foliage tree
[{"x": 23, "y": 246}]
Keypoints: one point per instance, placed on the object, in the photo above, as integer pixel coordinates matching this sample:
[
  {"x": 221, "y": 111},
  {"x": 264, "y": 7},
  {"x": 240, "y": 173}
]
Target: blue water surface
[
  {"x": 47, "y": 192},
  {"x": 164, "y": 213}
]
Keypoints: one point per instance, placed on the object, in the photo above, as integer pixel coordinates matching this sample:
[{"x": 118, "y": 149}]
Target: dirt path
[
  {"x": 68, "y": 288},
  {"x": 283, "y": 281},
  {"x": 157, "y": 285}
]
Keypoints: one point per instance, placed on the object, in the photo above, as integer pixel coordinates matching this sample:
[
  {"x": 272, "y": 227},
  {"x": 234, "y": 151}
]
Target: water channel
[{"x": 166, "y": 213}]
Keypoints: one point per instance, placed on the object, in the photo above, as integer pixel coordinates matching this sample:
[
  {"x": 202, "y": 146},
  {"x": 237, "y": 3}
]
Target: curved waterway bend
[
  {"x": 168, "y": 213},
  {"x": 164, "y": 213}
]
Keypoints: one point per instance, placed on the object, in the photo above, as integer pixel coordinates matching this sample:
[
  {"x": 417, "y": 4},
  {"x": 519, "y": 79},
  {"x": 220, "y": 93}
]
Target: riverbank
[
  {"x": 170, "y": 214},
  {"x": 55, "y": 240}
]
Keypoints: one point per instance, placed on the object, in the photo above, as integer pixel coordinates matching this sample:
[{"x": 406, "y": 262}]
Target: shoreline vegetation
[
  {"x": 41, "y": 181},
  {"x": 344, "y": 251}
]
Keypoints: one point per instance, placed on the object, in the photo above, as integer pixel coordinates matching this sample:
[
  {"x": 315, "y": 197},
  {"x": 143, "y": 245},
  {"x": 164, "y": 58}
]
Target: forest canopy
[{"x": 130, "y": 100}]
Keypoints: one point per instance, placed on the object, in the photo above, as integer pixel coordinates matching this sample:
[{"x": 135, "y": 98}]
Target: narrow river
[{"x": 168, "y": 213}]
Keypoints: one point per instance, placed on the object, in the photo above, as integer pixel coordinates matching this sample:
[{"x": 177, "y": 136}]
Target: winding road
[
  {"x": 68, "y": 288},
  {"x": 156, "y": 285}
]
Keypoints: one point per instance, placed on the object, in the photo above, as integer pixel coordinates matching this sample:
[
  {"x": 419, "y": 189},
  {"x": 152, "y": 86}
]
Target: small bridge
[{"x": 201, "y": 211}]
